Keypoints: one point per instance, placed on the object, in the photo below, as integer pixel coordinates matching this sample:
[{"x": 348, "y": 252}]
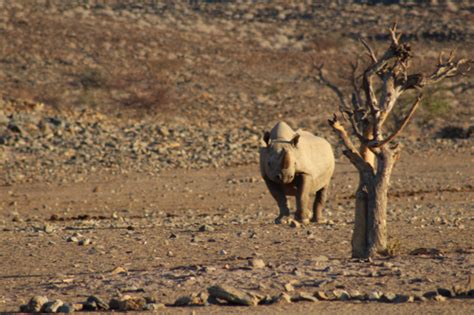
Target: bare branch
[
  {"x": 356, "y": 98},
  {"x": 394, "y": 36},
  {"x": 370, "y": 51},
  {"x": 356, "y": 129},
  {"x": 323, "y": 80},
  {"x": 377, "y": 144},
  {"x": 351, "y": 152}
]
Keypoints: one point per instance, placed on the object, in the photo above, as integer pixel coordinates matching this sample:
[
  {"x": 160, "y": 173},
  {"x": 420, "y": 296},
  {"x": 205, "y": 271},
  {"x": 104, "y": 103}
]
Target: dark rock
[
  {"x": 52, "y": 306},
  {"x": 303, "y": 296},
  {"x": 37, "y": 303},
  {"x": 430, "y": 294},
  {"x": 446, "y": 292},
  {"x": 341, "y": 295},
  {"x": 95, "y": 303},
  {"x": 232, "y": 295},
  {"x": 66, "y": 308}
]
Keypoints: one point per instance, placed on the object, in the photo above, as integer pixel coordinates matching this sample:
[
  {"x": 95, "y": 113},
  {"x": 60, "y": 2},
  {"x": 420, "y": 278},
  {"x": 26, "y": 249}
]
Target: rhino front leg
[
  {"x": 303, "y": 198},
  {"x": 319, "y": 202},
  {"x": 279, "y": 195}
]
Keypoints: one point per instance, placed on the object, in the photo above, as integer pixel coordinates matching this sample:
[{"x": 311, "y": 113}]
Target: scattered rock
[
  {"x": 281, "y": 298},
  {"x": 321, "y": 295},
  {"x": 85, "y": 242},
  {"x": 232, "y": 295},
  {"x": 341, "y": 295},
  {"x": 67, "y": 308},
  {"x": 52, "y": 306},
  {"x": 356, "y": 295},
  {"x": 389, "y": 297},
  {"x": 430, "y": 294},
  {"x": 36, "y": 303},
  {"x": 127, "y": 303},
  {"x": 303, "y": 296},
  {"x": 294, "y": 224},
  {"x": 446, "y": 292},
  {"x": 289, "y": 287},
  {"x": 374, "y": 296},
  {"x": 257, "y": 263},
  {"x": 95, "y": 303},
  {"x": 206, "y": 228},
  {"x": 194, "y": 299}
]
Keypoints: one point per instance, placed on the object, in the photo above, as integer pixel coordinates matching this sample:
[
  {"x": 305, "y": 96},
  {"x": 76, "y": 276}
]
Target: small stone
[
  {"x": 430, "y": 294},
  {"x": 132, "y": 304},
  {"x": 439, "y": 298},
  {"x": 356, "y": 295},
  {"x": 420, "y": 298},
  {"x": 52, "y": 306},
  {"x": 72, "y": 239},
  {"x": 374, "y": 296},
  {"x": 206, "y": 228},
  {"x": 389, "y": 297},
  {"x": 446, "y": 292},
  {"x": 36, "y": 303},
  {"x": 222, "y": 252},
  {"x": 48, "y": 229},
  {"x": 294, "y": 223},
  {"x": 303, "y": 296},
  {"x": 289, "y": 287},
  {"x": 66, "y": 308},
  {"x": 341, "y": 295},
  {"x": 321, "y": 295},
  {"x": 99, "y": 303},
  {"x": 85, "y": 242},
  {"x": 402, "y": 298},
  {"x": 232, "y": 295},
  {"x": 281, "y": 298},
  {"x": 183, "y": 301},
  {"x": 119, "y": 270},
  {"x": 257, "y": 263}
]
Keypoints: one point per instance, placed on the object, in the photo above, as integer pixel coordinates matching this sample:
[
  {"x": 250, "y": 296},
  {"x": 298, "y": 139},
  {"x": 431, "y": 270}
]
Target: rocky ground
[{"x": 129, "y": 138}]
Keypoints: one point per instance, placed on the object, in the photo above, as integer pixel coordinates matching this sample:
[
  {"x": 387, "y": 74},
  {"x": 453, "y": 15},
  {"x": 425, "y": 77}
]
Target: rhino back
[{"x": 315, "y": 156}]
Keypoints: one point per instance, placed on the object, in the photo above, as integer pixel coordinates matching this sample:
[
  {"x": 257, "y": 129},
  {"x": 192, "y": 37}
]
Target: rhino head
[{"x": 280, "y": 164}]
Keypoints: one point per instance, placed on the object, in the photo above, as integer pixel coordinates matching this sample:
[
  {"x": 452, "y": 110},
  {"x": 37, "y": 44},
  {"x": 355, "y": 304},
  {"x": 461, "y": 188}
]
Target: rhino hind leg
[{"x": 319, "y": 202}]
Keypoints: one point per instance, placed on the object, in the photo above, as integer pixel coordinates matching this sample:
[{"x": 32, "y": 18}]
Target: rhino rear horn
[
  {"x": 295, "y": 140},
  {"x": 266, "y": 137}
]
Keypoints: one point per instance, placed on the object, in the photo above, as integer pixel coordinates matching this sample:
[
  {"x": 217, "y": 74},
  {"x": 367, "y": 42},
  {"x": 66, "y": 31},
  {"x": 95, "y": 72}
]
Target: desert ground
[{"x": 129, "y": 137}]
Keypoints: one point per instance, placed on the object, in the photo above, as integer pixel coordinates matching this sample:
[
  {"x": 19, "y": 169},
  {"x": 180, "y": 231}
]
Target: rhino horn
[{"x": 285, "y": 164}]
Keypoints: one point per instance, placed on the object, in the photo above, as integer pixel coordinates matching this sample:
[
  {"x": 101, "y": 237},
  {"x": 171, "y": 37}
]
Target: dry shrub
[{"x": 142, "y": 90}]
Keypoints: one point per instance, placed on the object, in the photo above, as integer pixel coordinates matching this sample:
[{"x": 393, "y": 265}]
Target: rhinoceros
[{"x": 300, "y": 164}]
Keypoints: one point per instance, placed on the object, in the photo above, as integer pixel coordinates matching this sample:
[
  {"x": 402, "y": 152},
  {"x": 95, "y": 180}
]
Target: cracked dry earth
[{"x": 144, "y": 235}]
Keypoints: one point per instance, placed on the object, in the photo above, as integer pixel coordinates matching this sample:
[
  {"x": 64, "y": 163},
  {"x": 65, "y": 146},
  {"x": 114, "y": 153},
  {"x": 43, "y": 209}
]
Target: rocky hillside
[{"x": 146, "y": 85}]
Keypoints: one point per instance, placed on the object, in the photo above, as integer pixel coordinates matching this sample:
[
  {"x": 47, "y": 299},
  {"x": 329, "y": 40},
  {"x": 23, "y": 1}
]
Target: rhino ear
[
  {"x": 295, "y": 140},
  {"x": 266, "y": 138}
]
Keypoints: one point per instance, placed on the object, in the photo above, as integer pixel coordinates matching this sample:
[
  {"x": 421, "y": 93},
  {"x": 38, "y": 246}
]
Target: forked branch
[{"x": 378, "y": 144}]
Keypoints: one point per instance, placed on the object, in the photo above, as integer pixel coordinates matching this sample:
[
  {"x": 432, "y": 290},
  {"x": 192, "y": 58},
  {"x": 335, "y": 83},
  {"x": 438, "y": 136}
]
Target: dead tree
[{"x": 375, "y": 94}]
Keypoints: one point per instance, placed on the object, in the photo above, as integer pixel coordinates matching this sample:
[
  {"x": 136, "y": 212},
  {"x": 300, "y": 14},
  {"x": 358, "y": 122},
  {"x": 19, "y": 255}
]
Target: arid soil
[{"x": 129, "y": 138}]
